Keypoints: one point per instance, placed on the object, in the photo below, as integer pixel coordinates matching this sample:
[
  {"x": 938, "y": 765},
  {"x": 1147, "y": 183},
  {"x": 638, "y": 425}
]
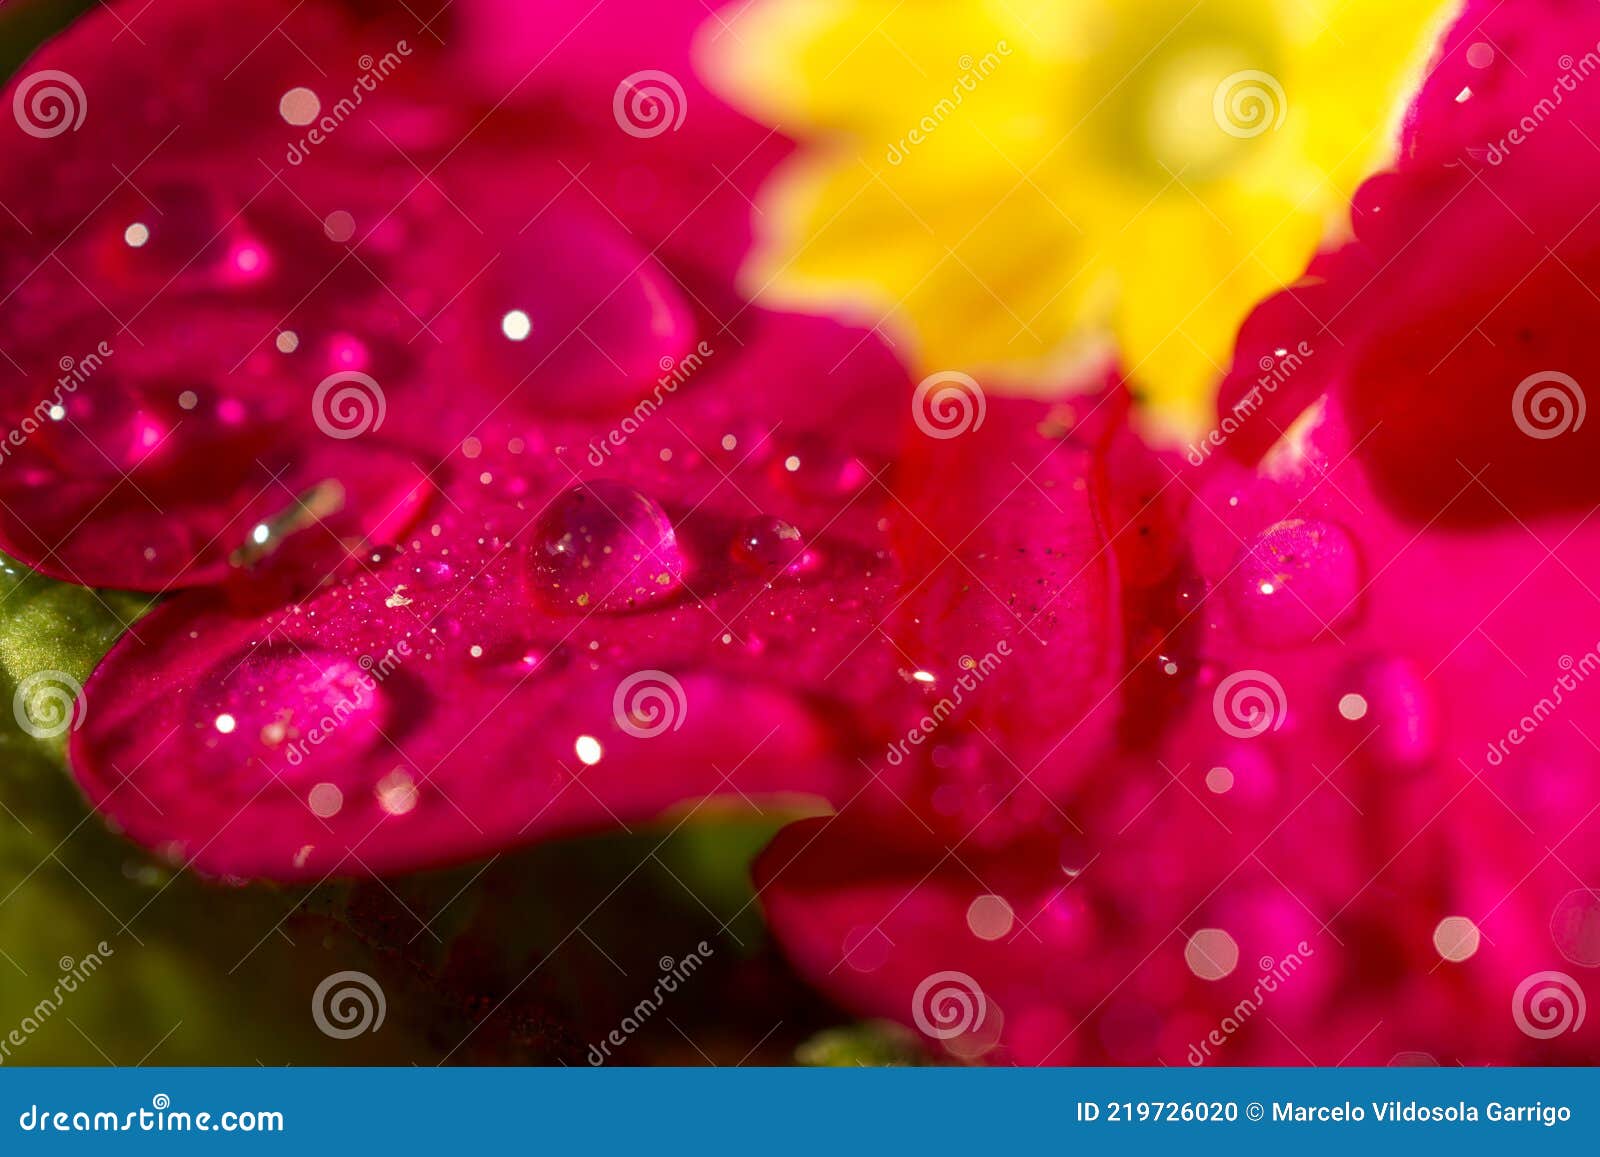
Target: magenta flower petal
[
  {"x": 1381, "y": 768},
  {"x": 553, "y": 648},
  {"x": 211, "y": 262}
]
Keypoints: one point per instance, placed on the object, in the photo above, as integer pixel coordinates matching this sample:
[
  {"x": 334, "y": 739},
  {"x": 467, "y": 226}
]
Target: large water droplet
[
  {"x": 1575, "y": 927},
  {"x": 291, "y": 708},
  {"x": 1298, "y": 579},
  {"x": 604, "y": 546}
]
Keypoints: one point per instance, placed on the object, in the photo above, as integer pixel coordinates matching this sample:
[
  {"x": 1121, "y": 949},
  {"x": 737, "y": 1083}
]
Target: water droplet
[
  {"x": 1297, "y": 579},
  {"x": 295, "y": 707},
  {"x": 1575, "y": 927},
  {"x": 604, "y": 546},
  {"x": 769, "y": 545},
  {"x": 813, "y": 468}
]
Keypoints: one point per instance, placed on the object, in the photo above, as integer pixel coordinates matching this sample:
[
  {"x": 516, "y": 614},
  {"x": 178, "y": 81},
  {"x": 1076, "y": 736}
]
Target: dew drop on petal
[
  {"x": 768, "y": 545},
  {"x": 1575, "y": 927},
  {"x": 295, "y": 708},
  {"x": 1298, "y": 579},
  {"x": 604, "y": 546}
]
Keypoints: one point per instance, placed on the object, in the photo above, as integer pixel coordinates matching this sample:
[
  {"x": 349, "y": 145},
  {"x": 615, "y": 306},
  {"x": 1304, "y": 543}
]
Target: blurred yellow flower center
[{"x": 1017, "y": 189}]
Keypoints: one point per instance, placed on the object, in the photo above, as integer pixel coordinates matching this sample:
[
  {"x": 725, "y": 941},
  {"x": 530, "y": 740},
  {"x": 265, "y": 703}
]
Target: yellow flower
[{"x": 1014, "y": 187}]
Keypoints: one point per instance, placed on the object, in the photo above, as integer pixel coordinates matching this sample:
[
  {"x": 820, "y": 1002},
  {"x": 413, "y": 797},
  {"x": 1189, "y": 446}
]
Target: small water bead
[
  {"x": 1298, "y": 578},
  {"x": 769, "y": 545},
  {"x": 604, "y": 546}
]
